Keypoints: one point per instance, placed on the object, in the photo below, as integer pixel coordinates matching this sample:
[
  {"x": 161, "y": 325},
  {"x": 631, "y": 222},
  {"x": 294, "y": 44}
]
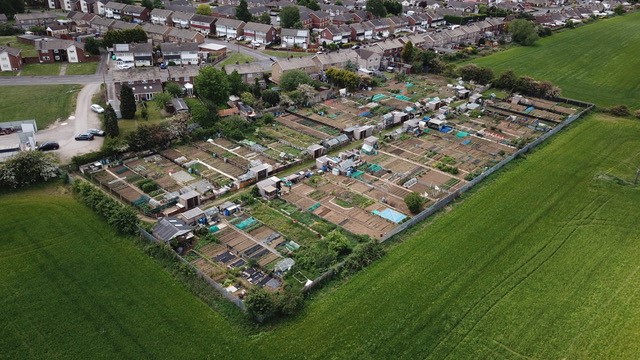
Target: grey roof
[
  {"x": 115, "y": 5},
  {"x": 135, "y": 48},
  {"x": 102, "y": 22},
  {"x": 173, "y": 47},
  {"x": 251, "y": 26},
  {"x": 250, "y": 68},
  {"x": 229, "y": 22},
  {"x": 34, "y": 16},
  {"x": 183, "y": 33},
  {"x": 182, "y": 15},
  {"x": 179, "y": 104},
  {"x": 56, "y": 44},
  {"x": 190, "y": 214},
  {"x": 155, "y": 29},
  {"x": 203, "y": 19},
  {"x": 294, "y": 32},
  {"x": 134, "y": 9},
  {"x": 121, "y": 25},
  {"x": 161, "y": 12},
  {"x": 11, "y": 51},
  {"x": 169, "y": 228}
]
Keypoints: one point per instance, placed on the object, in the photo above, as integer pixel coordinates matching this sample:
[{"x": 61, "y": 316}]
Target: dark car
[
  {"x": 80, "y": 137},
  {"x": 49, "y": 145}
]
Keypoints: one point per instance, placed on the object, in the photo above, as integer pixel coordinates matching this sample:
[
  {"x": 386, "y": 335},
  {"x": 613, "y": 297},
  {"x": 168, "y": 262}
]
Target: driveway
[{"x": 65, "y": 131}]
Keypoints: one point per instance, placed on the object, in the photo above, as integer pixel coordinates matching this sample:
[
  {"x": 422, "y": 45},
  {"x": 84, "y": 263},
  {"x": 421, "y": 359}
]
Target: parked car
[
  {"x": 81, "y": 137},
  {"x": 125, "y": 66},
  {"x": 49, "y": 145},
  {"x": 96, "y": 132},
  {"x": 163, "y": 66},
  {"x": 97, "y": 108}
]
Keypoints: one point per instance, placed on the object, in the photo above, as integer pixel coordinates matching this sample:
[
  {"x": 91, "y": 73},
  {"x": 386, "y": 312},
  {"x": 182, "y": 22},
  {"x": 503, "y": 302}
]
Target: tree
[
  {"x": 291, "y": 79},
  {"x": 311, "y": 4},
  {"x": 338, "y": 242},
  {"x": 257, "y": 89},
  {"x": 351, "y": 66},
  {"x": 203, "y": 115},
  {"x": 265, "y": 18},
  {"x": 236, "y": 85},
  {"x": 174, "y": 89},
  {"x": 128, "y": 36},
  {"x": 289, "y": 16},
  {"x": 289, "y": 302},
  {"x": 242, "y": 11},
  {"x": 260, "y": 304},
  {"x": 127, "y": 102},
  {"x": 619, "y": 10},
  {"x": 523, "y": 32},
  {"x": 160, "y": 100},
  {"x": 212, "y": 84},
  {"x": 11, "y": 7},
  {"x": 147, "y": 3},
  {"x": 408, "y": 51},
  {"x": 271, "y": 97},
  {"x": 26, "y": 168},
  {"x": 414, "y": 202},
  {"x": 508, "y": 80},
  {"x": 343, "y": 78},
  {"x": 157, "y": 4},
  {"x": 92, "y": 46},
  {"x": 376, "y": 8},
  {"x": 481, "y": 75},
  {"x": 110, "y": 122},
  {"x": 393, "y": 7},
  {"x": 204, "y": 9},
  {"x": 248, "y": 98}
]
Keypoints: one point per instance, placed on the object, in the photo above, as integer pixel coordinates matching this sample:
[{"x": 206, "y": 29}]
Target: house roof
[
  {"x": 193, "y": 213},
  {"x": 181, "y": 15},
  {"x": 121, "y": 25},
  {"x": 294, "y": 32},
  {"x": 115, "y": 5},
  {"x": 56, "y": 44},
  {"x": 336, "y": 57},
  {"x": 34, "y": 16},
  {"x": 173, "y": 47},
  {"x": 252, "y": 26},
  {"x": 135, "y": 48},
  {"x": 161, "y": 12},
  {"x": 365, "y": 54},
  {"x": 295, "y": 63},
  {"x": 155, "y": 29},
  {"x": 102, "y": 22},
  {"x": 11, "y": 51},
  {"x": 183, "y": 33},
  {"x": 229, "y": 22},
  {"x": 203, "y": 19},
  {"x": 134, "y": 9},
  {"x": 169, "y": 228}
]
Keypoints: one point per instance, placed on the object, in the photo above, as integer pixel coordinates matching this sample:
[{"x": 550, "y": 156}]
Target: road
[{"x": 64, "y": 132}]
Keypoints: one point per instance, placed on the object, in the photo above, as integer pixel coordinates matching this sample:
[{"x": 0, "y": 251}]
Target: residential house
[
  {"x": 102, "y": 25},
  {"x": 381, "y": 27},
  {"x": 398, "y": 24},
  {"x": 305, "y": 18},
  {"x": 139, "y": 55},
  {"x": 418, "y": 21},
  {"x": 70, "y": 5},
  {"x": 161, "y": 17},
  {"x": 181, "y": 19},
  {"x": 137, "y": 14},
  {"x": 261, "y": 33},
  {"x": 341, "y": 19},
  {"x": 121, "y": 25},
  {"x": 368, "y": 59},
  {"x": 330, "y": 35},
  {"x": 250, "y": 71},
  {"x": 180, "y": 54},
  {"x": 57, "y": 50},
  {"x": 229, "y": 28},
  {"x": 335, "y": 59},
  {"x": 184, "y": 35},
  {"x": 212, "y": 50},
  {"x": 114, "y": 10},
  {"x": 3, "y": 18},
  {"x": 28, "y": 20},
  {"x": 10, "y": 59},
  {"x": 181, "y": 7},
  {"x": 361, "y": 32},
  {"x": 290, "y": 38},
  {"x": 359, "y": 16},
  {"x": 319, "y": 19},
  {"x": 143, "y": 90},
  {"x": 388, "y": 47},
  {"x": 57, "y": 30},
  {"x": 464, "y": 6},
  {"x": 203, "y": 24},
  {"x": 157, "y": 33},
  {"x": 306, "y": 64},
  {"x": 172, "y": 228},
  {"x": 436, "y": 19},
  {"x": 54, "y": 4},
  {"x": 87, "y": 6},
  {"x": 224, "y": 11}
]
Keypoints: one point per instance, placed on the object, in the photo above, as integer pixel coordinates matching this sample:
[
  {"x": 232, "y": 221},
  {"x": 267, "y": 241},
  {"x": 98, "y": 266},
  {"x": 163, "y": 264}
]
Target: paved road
[{"x": 64, "y": 131}]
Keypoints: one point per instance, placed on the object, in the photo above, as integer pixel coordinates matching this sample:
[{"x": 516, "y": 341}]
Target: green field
[
  {"x": 595, "y": 63},
  {"x": 46, "y": 103},
  {"x": 541, "y": 262},
  {"x": 52, "y": 69},
  {"x": 70, "y": 288},
  {"x": 86, "y": 68},
  {"x": 236, "y": 58},
  {"x": 286, "y": 54}
]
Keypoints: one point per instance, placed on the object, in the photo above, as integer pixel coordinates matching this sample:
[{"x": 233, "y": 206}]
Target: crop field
[
  {"x": 541, "y": 262},
  {"x": 46, "y": 103},
  {"x": 70, "y": 288},
  {"x": 592, "y": 63}
]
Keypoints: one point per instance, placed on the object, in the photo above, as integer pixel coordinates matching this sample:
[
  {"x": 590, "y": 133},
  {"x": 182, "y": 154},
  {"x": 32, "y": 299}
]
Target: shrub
[
  {"x": 28, "y": 167},
  {"x": 414, "y": 202},
  {"x": 362, "y": 256},
  {"x": 123, "y": 218},
  {"x": 619, "y": 110}
]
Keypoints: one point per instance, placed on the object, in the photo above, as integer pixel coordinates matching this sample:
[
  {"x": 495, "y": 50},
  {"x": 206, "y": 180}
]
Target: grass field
[
  {"x": 591, "y": 63},
  {"x": 236, "y": 58},
  {"x": 41, "y": 69},
  {"x": 71, "y": 289},
  {"x": 541, "y": 262},
  {"x": 44, "y": 103},
  {"x": 87, "y": 68},
  {"x": 286, "y": 54}
]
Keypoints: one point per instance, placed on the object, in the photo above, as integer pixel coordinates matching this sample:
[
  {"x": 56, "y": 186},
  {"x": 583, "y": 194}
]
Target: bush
[
  {"x": 123, "y": 218},
  {"x": 414, "y": 202},
  {"x": 260, "y": 304},
  {"x": 362, "y": 256},
  {"x": 619, "y": 110},
  {"x": 26, "y": 168}
]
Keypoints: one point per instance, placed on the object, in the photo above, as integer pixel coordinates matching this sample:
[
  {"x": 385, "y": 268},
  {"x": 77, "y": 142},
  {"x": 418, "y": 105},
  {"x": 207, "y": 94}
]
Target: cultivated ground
[
  {"x": 540, "y": 262},
  {"x": 593, "y": 63}
]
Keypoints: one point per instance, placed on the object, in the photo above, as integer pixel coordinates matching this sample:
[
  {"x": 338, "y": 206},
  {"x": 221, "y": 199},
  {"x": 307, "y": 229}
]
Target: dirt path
[{"x": 65, "y": 131}]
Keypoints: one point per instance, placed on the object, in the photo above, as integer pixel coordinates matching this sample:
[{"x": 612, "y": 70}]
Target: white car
[
  {"x": 125, "y": 66},
  {"x": 97, "y": 108}
]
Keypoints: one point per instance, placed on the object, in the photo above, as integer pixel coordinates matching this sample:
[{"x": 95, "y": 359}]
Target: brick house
[
  {"x": 57, "y": 50},
  {"x": 10, "y": 59},
  {"x": 203, "y": 24},
  {"x": 161, "y": 16},
  {"x": 114, "y": 10},
  {"x": 262, "y": 33},
  {"x": 137, "y": 14}
]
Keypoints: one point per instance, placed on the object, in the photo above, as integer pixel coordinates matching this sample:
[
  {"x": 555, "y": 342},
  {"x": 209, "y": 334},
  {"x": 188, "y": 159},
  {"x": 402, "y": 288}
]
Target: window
[{"x": 45, "y": 58}]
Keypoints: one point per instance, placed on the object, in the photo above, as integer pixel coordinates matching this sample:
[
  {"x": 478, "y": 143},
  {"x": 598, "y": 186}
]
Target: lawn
[
  {"x": 286, "y": 54},
  {"x": 540, "y": 262},
  {"x": 86, "y": 68},
  {"x": 129, "y": 125},
  {"x": 71, "y": 288},
  {"x": 44, "y": 103},
  {"x": 41, "y": 69},
  {"x": 27, "y": 50},
  {"x": 592, "y": 63},
  {"x": 236, "y": 58}
]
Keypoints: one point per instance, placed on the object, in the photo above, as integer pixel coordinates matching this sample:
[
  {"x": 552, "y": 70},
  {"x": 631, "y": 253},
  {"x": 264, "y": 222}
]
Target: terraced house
[
  {"x": 180, "y": 54},
  {"x": 161, "y": 17},
  {"x": 181, "y": 19},
  {"x": 294, "y": 37},
  {"x": 10, "y": 59},
  {"x": 261, "y": 33},
  {"x": 229, "y": 28},
  {"x": 140, "y": 55},
  {"x": 136, "y": 13},
  {"x": 114, "y": 10},
  {"x": 203, "y": 24},
  {"x": 57, "y": 50}
]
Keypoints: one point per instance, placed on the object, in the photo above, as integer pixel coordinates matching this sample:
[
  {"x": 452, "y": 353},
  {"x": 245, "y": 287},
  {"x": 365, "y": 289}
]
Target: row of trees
[
  {"x": 509, "y": 81},
  {"x": 127, "y": 36},
  {"x": 123, "y": 218},
  {"x": 27, "y": 168}
]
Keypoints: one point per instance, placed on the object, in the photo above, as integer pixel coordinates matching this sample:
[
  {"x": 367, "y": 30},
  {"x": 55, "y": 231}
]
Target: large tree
[
  {"x": 110, "y": 120},
  {"x": 92, "y": 46},
  {"x": 127, "y": 102},
  {"x": 414, "y": 202},
  {"x": 408, "y": 52},
  {"x": 174, "y": 89},
  {"x": 523, "y": 32},
  {"x": 264, "y": 18},
  {"x": 291, "y": 79},
  {"x": 236, "y": 85},
  {"x": 393, "y": 7},
  {"x": 212, "y": 84},
  {"x": 289, "y": 16},
  {"x": 127, "y": 36},
  {"x": 26, "y": 168},
  {"x": 204, "y": 9},
  {"x": 376, "y": 8},
  {"x": 242, "y": 11}
]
